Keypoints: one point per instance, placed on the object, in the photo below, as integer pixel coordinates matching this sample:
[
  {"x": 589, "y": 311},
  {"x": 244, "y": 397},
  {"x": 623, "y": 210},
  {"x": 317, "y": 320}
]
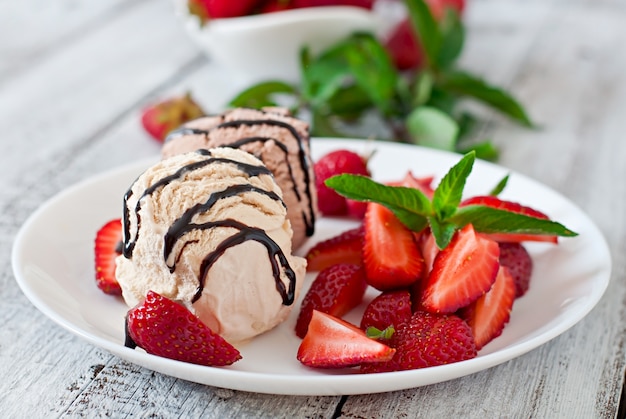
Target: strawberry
[
  {"x": 516, "y": 259},
  {"x": 428, "y": 340},
  {"x": 462, "y": 272},
  {"x": 495, "y": 202},
  {"x": 219, "y": 9},
  {"x": 365, "y": 4},
  {"x": 165, "y": 328},
  {"x": 390, "y": 308},
  {"x": 344, "y": 248},
  {"x": 160, "y": 118},
  {"x": 336, "y": 290},
  {"x": 424, "y": 184},
  {"x": 108, "y": 245},
  {"x": 273, "y": 6},
  {"x": 356, "y": 209},
  {"x": 428, "y": 248},
  {"x": 488, "y": 315},
  {"x": 335, "y": 163},
  {"x": 391, "y": 256},
  {"x": 335, "y": 343}
]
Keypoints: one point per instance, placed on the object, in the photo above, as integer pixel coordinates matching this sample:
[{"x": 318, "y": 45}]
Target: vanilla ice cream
[
  {"x": 209, "y": 230},
  {"x": 276, "y": 138}
]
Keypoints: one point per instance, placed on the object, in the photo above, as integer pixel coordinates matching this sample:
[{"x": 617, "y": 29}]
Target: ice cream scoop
[
  {"x": 209, "y": 230},
  {"x": 276, "y": 138}
]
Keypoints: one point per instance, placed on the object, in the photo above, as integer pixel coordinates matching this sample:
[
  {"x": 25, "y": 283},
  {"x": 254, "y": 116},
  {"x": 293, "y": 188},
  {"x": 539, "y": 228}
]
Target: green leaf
[
  {"x": 453, "y": 38},
  {"x": 492, "y": 220},
  {"x": 426, "y": 28},
  {"x": 484, "y": 150},
  {"x": 442, "y": 231},
  {"x": 500, "y": 186},
  {"x": 449, "y": 192},
  {"x": 423, "y": 88},
  {"x": 261, "y": 94},
  {"x": 431, "y": 127},
  {"x": 465, "y": 84},
  {"x": 349, "y": 102},
  {"x": 410, "y": 205}
]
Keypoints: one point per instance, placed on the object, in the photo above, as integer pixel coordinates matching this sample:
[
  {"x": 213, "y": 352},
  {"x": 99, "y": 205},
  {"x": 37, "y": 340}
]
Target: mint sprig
[
  {"x": 355, "y": 81},
  {"x": 443, "y": 214}
]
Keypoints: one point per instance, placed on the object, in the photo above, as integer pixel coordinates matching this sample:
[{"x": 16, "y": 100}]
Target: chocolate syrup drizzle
[
  {"x": 184, "y": 224},
  {"x": 307, "y": 216}
]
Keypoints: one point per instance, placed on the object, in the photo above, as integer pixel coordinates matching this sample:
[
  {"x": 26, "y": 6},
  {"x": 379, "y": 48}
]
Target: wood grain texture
[{"x": 70, "y": 98}]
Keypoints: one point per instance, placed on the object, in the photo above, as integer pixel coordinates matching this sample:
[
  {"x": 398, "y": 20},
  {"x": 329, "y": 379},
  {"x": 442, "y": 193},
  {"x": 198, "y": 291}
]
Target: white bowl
[{"x": 267, "y": 46}]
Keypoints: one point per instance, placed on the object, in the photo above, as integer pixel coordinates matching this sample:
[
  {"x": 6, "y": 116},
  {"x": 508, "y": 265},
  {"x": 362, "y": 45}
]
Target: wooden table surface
[{"x": 73, "y": 78}]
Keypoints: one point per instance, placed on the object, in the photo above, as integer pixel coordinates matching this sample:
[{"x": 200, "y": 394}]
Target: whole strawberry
[
  {"x": 108, "y": 246},
  {"x": 428, "y": 340},
  {"x": 390, "y": 308},
  {"x": 160, "y": 118},
  {"x": 516, "y": 259},
  {"x": 336, "y": 163},
  {"x": 165, "y": 328}
]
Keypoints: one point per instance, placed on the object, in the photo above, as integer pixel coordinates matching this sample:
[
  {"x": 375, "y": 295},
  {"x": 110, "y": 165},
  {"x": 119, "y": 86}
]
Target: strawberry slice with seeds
[
  {"x": 336, "y": 290},
  {"x": 390, "y": 308},
  {"x": 495, "y": 202},
  {"x": 391, "y": 256},
  {"x": 165, "y": 328},
  {"x": 108, "y": 246},
  {"x": 461, "y": 273},
  {"x": 488, "y": 315},
  {"x": 334, "y": 343},
  {"x": 158, "y": 119},
  {"x": 344, "y": 248}
]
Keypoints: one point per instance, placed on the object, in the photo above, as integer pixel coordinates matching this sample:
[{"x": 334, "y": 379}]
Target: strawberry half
[
  {"x": 491, "y": 312},
  {"x": 461, "y": 273},
  {"x": 160, "y": 118},
  {"x": 165, "y": 328},
  {"x": 108, "y": 246},
  {"x": 391, "y": 256},
  {"x": 335, "y": 343},
  {"x": 336, "y": 290},
  {"x": 344, "y": 248},
  {"x": 428, "y": 340},
  {"x": 390, "y": 308},
  {"x": 495, "y": 202}
]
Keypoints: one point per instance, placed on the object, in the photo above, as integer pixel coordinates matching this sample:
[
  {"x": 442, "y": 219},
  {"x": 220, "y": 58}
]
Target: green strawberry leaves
[{"x": 443, "y": 214}]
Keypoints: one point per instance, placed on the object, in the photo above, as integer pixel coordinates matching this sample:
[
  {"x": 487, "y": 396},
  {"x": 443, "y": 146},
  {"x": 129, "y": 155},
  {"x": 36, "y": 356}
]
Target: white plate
[{"x": 53, "y": 263}]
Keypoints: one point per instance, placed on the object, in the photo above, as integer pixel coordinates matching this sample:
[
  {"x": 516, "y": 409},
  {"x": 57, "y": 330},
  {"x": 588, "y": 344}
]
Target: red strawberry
[
  {"x": 516, "y": 259},
  {"x": 218, "y": 9},
  {"x": 108, "y": 245},
  {"x": 336, "y": 163},
  {"x": 462, "y": 272},
  {"x": 273, "y": 6},
  {"x": 391, "y": 256},
  {"x": 165, "y": 328},
  {"x": 334, "y": 343},
  {"x": 160, "y": 118},
  {"x": 423, "y": 184},
  {"x": 344, "y": 248},
  {"x": 356, "y": 209},
  {"x": 428, "y": 248},
  {"x": 366, "y": 4},
  {"x": 490, "y": 313},
  {"x": 336, "y": 290},
  {"x": 495, "y": 202},
  {"x": 391, "y": 308},
  {"x": 428, "y": 340}
]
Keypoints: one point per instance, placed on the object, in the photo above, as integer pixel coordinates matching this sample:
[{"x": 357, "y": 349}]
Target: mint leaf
[
  {"x": 423, "y": 88},
  {"x": 484, "y": 150},
  {"x": 410, "y": 205},
  {"x": 449, "y": 192},
  {"x": 465, "y": 84},
  {"x": 425, "y": 27},
  {"x": 433, "y": 128},
  {"x": 500, "y": 186},
  {"x": 492, "y": 220},
  {"x": 442, "y": 231},
  {"x": 453, "y": 38},
  {"x": 262, "y": 94}
]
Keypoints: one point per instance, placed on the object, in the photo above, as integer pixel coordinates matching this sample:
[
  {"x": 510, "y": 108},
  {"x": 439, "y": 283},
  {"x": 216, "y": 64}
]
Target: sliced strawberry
[
  {"x": 160, "y": 118},
  {"x": 516, "y": 259},
  {"x": 344, "y": 248},
  {"x": 336, "y": 290},
  {"x": 108, "y": 246},
  {"x": 391, "y": 308},
  {"x": 428, "y": 340},
  {"x": 428, "y": 248},
  {"x": 461, "y": 273},
  {"x": 165, "y": 328},
  {"x": 219, "y": 9},
  {"x": 391, "y": 256},
  {"x": 356, "y": 209},
  {"x": 495, "y": 202},
  {"x": 490, "y": 313},
  {"x": 335, "y": 343},
  {"x": 331, "y": 164},
  {"x": 423, "y": 184}
]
